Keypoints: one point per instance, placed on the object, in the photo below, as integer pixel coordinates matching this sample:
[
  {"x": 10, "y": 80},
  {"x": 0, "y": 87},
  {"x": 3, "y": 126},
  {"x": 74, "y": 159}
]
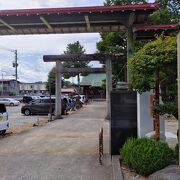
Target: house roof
[
  {"x": 94, "y": 80},
  {"x": 73, "y": 20},
  {"x": 144, "y": 31},
  {"x": 7, "y": 80},
  {"x": 129, "y": 7},
  {"x": 68, "y": 90},
  {"x": 145, "y": 27}
]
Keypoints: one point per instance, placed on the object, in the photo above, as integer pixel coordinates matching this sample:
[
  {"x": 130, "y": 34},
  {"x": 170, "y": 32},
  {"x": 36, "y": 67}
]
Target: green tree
[
  {"x": 69, "y": 84},
  {"x": 168, "y": 13},
  {"x": 161, "y": 55},
  {"x": 74, "y": 48},
  {"x": 114, "y": 43},
  {"x": 50, "y": 85}
]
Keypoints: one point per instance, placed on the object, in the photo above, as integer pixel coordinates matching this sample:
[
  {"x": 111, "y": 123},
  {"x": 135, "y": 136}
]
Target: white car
[
  {"x": 82, "y": 98},
  {"x": 9, "y": 102},
  {"x": 4, "y": 122}
]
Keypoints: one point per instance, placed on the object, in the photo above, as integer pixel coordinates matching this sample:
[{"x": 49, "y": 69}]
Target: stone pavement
[
  {"x": 64, "y": 149},
  {"x": 171, "y": 172},
  {"x": 171, "y": 127}
]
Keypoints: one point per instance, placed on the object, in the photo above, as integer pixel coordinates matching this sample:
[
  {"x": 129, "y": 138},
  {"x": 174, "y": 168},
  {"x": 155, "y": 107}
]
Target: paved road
[
  {"x": 17, "y": 119},
  {"x": 64, "y": 149}
]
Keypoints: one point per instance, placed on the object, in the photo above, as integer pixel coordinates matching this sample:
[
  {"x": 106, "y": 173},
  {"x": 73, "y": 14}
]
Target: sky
[{"x": 31, "y": 48}]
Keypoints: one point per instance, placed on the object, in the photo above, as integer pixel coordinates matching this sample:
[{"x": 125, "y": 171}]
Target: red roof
[
  {"x": 131, "y": 7},
  {"x": 68, "y": 90},
  {"x": 142, "y": 27}
]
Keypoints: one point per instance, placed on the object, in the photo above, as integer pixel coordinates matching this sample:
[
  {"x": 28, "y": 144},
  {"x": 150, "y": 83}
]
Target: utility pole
[
  {"x": 15, "y": 65},
  {"x": 2, "y": 85}
]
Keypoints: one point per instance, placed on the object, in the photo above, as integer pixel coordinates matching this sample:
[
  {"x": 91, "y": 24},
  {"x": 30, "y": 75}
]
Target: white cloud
[
  {"x": 49, "y": 43},
  {"x": 32, "y": 48},
  {"x": 34, "y": 72},
  {"x": 27, "y": 4}
]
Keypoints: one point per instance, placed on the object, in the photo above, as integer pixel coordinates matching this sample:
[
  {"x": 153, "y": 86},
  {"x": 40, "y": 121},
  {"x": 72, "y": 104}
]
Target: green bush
[
  {"x": 146, "y": 156},
  {"x": 12, "y": 94}
]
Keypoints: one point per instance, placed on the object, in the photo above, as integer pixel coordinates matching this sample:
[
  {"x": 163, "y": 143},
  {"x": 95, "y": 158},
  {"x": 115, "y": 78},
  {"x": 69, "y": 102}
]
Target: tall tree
[
  {"x": 74, "y": 48},
  {"x": 152, "y": 67},
  {"x": 158, "y": 55},
  {"x": 51, "y": 82},
  {"x": 168, "y": 13}
]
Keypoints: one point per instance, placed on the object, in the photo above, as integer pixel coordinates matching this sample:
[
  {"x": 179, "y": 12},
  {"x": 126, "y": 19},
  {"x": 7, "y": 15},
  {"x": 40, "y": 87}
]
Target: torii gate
[{"x": 85, "y": 57}]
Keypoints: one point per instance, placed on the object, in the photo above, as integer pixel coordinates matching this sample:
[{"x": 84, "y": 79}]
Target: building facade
[
  {"x": 9, "y": 87},
  {"x": 92, "y": 85},
  {"x": 37, "y": 88}
]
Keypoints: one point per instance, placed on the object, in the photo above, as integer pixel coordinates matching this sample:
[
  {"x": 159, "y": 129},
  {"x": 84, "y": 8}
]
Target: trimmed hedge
[{"x": 146, "y": 156}]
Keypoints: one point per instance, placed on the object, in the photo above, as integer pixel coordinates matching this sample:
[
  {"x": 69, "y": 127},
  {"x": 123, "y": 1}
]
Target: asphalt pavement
[
  {"x": 65, "y": 149},
  {"x": 17, "y": 119}
]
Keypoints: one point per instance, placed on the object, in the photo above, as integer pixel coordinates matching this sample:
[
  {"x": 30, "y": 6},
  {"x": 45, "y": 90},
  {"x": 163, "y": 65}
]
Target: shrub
[
  {"x": 12, "y": 94},
  {"x": 146, "y": 156}
]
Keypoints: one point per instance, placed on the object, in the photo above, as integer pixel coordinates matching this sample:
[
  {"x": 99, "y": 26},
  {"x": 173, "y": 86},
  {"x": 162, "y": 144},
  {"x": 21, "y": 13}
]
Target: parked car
[
  {"x": 28, "y": 99},
  {"x": 41, "y": 106},
  {"x": 4, "y": 122},
  {"x": 82, "y": 98},
  {"x": 9, "y": 102}
]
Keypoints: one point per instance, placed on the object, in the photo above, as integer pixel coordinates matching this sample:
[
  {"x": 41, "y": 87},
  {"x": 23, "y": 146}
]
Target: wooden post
[
  {"x": 108, "y": 86},
  {"x": 157, "y": 118},
  {"x": 130, "y": 43},
  {"x": 130, "y": 39},
  {"x": 178, "y": 69},
  {"x": 78, "y": 79},
  {"x": 130, "y": 48},
  {"x": 58, "y": 90}
]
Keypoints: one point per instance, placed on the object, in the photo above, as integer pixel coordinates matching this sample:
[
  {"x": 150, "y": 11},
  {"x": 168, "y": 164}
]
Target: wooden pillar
[
  {"x": 178, "y": 69},
  {"x": 58, "y": 90},
  {"x": 130, "y": 39},
  {"x": 130, "y": 42},
  {"x": 130, "y": 47},
  {"x": 108, "y": 86}
]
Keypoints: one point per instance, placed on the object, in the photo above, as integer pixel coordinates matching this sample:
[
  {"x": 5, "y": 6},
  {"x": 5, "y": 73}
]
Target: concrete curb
[{"x": 116, "y": 168}]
